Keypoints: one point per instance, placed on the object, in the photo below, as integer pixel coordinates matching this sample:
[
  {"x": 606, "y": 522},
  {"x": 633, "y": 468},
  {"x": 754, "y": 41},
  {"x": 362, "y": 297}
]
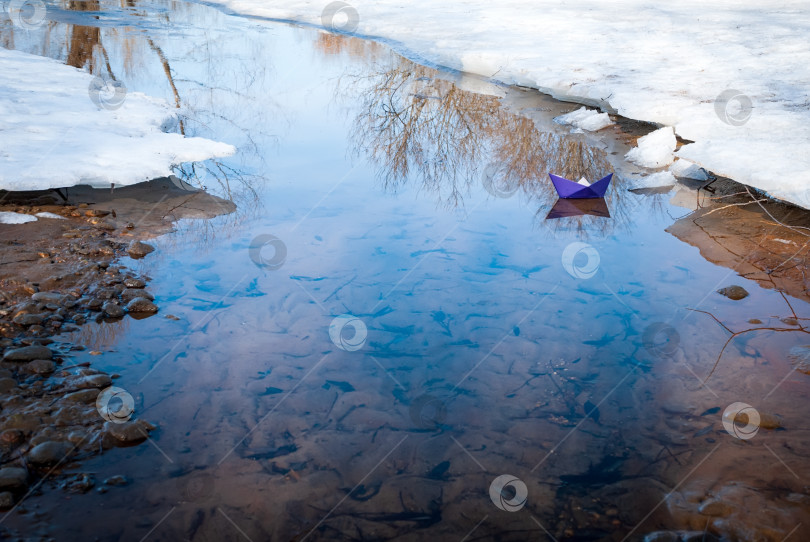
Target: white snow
[
  {"x": 45, "y": 214},
  {"x": 655, "y": 149},
  {"x": 585, "y": 119},
  {"x": 53, "y": 135},
  {"x": 7, "y": 217},
  {"x": 653, "y": 60}
]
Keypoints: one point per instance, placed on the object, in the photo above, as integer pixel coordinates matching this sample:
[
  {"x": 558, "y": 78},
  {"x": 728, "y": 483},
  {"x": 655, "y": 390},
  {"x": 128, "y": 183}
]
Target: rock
[
  {"x": 93, "y": 381},
  {"x": 11, "y": 437},
  {"x": 28, "y": 319},
  {"x": 112, "y": 310},
  {"x": 137, "y": 249},
  {"x": 770, "y": 421},
  {"x": 83, "y": 396},
  {"x": 141, "y": 304},
  {"x": 134, "y": 283},
  {"x": 7, "y": 384},
  {"x": 131, "y": 293},
  {"x": 733, "y": 292},
  {"x": 13, "y": 478},
  {"x": 6, "y": 500},
  {"x": 39, "y": 367},
  {"x": 48, "y": 297},
  {"x": 49, "y": 453},
  {"x": 96, "y": 212},
  {"x": 117, "y": 480},
  {"x": 130, "y": 432},
  {"x": 28, "y": 353}
]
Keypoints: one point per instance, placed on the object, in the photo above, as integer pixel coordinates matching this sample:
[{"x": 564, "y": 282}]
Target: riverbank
[{"x": 61, "y": 267}]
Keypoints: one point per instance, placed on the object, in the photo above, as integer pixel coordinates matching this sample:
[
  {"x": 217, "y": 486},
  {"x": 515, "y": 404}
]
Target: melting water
[{"x": 398, "y": 331}]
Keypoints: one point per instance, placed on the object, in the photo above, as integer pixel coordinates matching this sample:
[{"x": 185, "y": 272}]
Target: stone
[
  {"x": 131, "y": 293},
  {"x": 117, "y": 480},
  {"x": 28, "y": 353},
  {"x": 49, "y": 452},
  {"x": 130, "y": 282},
  {"x": 28, "y": 319},
  {"x": 83, "y": 396},
  {"x": 141, "y": 304},
  {"x": 93, "y": 381},
  {"x": 7, "y": 384},
  {"x": 138, "y": 249},
  {"x": 39, "y": 367},
  {"x": 112, "y": 310},
  {"x": 48, "y": 297},
  {"x": 130, "y": 432},
  {"x": 13, "y": 478},
  {"x": 733, "y": 292},
  {"x": 6, "y": 500}
]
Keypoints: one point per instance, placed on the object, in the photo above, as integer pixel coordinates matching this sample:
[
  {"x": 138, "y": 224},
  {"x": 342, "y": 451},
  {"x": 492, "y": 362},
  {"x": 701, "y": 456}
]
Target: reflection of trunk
[
  {"x": 83, "y": 39},
  {"x": 168, "y": 71}
]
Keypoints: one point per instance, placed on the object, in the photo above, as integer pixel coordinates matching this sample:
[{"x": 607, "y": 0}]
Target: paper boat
[
  {"x": 573, "y": 207},
  {"x": 572, "y": 189}
]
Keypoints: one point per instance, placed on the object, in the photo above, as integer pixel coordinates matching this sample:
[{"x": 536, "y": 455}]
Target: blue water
[{"x": 480, "y": 338}]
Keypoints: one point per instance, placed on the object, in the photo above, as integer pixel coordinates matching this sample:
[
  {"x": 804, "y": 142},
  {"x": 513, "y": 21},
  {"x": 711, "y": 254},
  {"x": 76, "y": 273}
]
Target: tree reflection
[{"x": 416, "y": 126}]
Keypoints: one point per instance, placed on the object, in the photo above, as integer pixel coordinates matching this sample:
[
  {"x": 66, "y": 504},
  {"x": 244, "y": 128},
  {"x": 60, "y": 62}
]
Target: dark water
[{"x": 481, "y": 338}]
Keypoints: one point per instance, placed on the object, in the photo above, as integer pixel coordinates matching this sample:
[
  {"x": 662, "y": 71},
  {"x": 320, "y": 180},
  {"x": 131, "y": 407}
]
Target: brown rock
[
  {"x": 28, "y": 353},
  {"x": 141, "y": 304},
  {"x": 49, "y": 453},
  {"x": 733, "y": 292},
  {"x": 137, "y": 249}
]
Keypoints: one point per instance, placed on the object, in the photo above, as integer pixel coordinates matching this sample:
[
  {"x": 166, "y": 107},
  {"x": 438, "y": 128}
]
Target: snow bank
[
  {"x": 665, "y": 62},
  {"x": 585, "y": 119},
  {"x": 7, "y": 217},
  {"x": 655, "y": 149},
  {"x": 53, "y": 134}
]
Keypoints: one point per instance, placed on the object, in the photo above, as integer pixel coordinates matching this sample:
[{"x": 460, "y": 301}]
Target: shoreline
[{"x": 58, "y": 274}]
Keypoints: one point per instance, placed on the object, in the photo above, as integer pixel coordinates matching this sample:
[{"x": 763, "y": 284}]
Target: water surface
[{"x": 483, "y": 338}]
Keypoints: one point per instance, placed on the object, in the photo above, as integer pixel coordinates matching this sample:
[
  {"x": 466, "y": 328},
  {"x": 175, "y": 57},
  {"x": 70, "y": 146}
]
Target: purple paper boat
[{"x": 570, "y": 189}]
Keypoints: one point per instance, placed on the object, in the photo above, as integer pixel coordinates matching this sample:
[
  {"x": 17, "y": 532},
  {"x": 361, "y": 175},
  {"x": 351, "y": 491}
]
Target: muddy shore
[{"x": 57, "y": 274}]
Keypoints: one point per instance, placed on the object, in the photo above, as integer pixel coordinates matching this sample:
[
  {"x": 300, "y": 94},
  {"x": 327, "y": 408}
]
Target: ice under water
[{"x": 483, "y": 338}]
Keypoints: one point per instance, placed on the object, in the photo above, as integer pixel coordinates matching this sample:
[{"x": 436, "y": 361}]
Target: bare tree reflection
[
  {"x": 124, "y": 51},
  {"x": 416, "y": 126}
]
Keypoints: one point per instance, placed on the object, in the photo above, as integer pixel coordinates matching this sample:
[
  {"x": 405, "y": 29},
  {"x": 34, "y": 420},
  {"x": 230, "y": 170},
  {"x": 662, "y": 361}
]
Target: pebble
[
  {"x": 39, "y": 367},
  {"x": 49, "y": 452},
  {"x": 28, "y": 353},
  {"x": 13, "y": 478},
  {"x": 117, "y": 480},
  {"x": 6, "y": 500},
  {"x": 733, "y": 292},
  {"x": 7, "y": 384},
  {"x": 134, "y": 283},
  {"x": 141, "y": 304},
  {"x": 48, "y": 297},
  {"x": 93, "y": 381},
  {"x": 131, "y": 293},
  {"x": 82, "y": 396},
  {"x": 28, "y": 319},
  {"x": 112, "y": 310},
  {"x": 138, "y": 249},
  {"x": 129, "y": 432}
]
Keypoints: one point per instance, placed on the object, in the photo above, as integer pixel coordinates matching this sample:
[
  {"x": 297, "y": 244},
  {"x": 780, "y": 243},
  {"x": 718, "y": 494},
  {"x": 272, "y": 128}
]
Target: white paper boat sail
[{"x": 584, "y": 182}]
